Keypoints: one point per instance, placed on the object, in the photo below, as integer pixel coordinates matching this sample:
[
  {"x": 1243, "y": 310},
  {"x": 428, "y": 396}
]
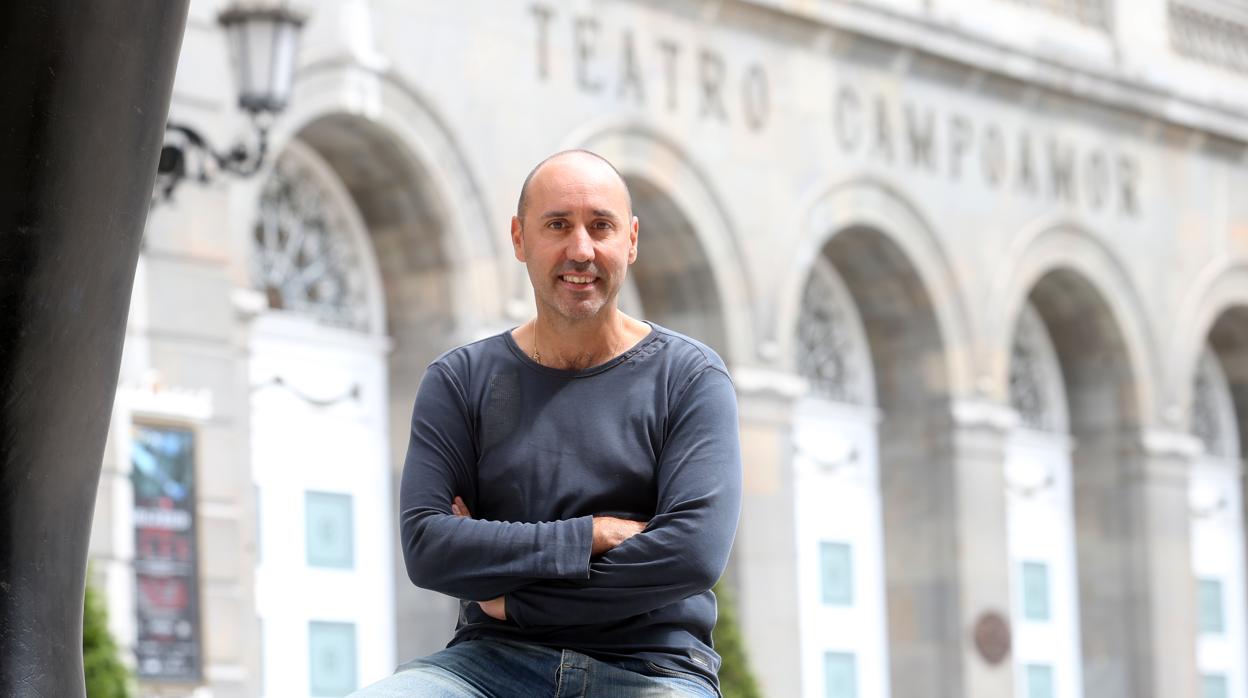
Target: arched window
[
  {"x": 831, "y": 349},
  {"x": 306, "y": 239},
  {"x": 1036, "y": 392}
]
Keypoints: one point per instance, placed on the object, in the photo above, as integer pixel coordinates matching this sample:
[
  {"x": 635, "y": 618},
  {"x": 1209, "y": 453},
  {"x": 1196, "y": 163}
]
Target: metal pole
[{"x": 84, "y": 94}]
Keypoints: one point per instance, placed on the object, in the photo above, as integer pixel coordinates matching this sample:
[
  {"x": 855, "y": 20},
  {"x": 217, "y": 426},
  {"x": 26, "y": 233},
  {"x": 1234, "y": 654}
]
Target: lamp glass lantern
[{"x": 264, "y": 42}]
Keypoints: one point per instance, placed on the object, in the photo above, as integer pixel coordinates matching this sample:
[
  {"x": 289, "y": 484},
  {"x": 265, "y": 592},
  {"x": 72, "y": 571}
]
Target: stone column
[
  {"x": 1136, "y": 591},
  {"x": 764, "y": 565},
  {"x": 193, "y": 335},
  {"x": 983, "y": 563},
  {"x": 1158, "y": 540},
  {"x": 946, "y": 552}
]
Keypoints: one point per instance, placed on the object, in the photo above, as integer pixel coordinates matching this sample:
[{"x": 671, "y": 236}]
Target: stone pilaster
[
  {"x": 980, "y": 432},
  {"x": 1159, "y": 542},
  {"x": 764, "y": 566},
  {"x": 946, "y": 552},
  {"x": 192, "y": 337}
]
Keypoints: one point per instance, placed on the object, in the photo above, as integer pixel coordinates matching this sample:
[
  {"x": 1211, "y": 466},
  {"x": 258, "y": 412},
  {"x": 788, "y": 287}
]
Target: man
[{"x": 577, "y": 480}]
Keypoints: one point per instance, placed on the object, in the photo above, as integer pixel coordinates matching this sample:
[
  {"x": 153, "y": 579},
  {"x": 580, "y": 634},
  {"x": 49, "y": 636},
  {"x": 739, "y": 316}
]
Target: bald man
[{"x": 575, "y": 481}]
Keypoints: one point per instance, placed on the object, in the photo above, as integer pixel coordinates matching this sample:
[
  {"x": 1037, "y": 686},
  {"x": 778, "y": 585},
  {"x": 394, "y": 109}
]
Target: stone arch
[
  {"x": 411, "y": 183},
  {"x": 917, "y": 335},
  {"x": 1214, "y": 313},
  {"x": 867, "y": 204},
  {"x": 666, "y": 180},
  {"x": 1096, "y": 279},
  {"x": 429, "y": 225},
  {"x": 1101, "y": 336}
]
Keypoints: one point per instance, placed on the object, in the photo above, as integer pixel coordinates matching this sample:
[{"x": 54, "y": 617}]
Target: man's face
[{"x": 577, "y": 237}]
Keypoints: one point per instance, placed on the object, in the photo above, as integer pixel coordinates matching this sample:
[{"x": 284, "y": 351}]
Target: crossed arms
[
  {"x": 609, "y": 532},
  {"x": 560, "y": 572}
]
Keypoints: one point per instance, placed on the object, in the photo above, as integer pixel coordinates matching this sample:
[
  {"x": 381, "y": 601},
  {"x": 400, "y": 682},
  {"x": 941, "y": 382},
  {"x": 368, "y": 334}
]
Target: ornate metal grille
[
  {"x": 304, "y": 259},
  {"x": 1035, "y": 389},
  {"x": 1091, "y": 13},
  {"x": 826, "y": 344},
  {"x": 1214, "y": 31},
  {"x": 1205, "y": 412},
  {"x": 1213, "y": 413}
]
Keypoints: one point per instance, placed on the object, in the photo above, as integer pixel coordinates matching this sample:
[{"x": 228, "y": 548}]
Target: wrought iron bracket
[{"x": 187, "y": 154}]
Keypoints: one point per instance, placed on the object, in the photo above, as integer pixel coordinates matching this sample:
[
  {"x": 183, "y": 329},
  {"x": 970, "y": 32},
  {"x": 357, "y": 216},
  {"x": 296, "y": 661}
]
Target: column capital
[
  {"x": 770, "y": 382},
  {"x": 982, "y": 413},
  {"x": 1169, "y": 443}
]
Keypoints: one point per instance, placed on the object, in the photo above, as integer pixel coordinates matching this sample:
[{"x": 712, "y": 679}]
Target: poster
[{"x": 165, "y": 555}]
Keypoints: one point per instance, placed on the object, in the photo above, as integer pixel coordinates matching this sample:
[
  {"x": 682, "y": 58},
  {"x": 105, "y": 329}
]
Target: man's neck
[{"x": 559, "y": 343}]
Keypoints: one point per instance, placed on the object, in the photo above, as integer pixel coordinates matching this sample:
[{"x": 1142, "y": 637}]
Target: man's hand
[
  {"x": 495, "y": 608},
  {"x": 610, "y": 532},
  {"x": 458, "y": 508}
]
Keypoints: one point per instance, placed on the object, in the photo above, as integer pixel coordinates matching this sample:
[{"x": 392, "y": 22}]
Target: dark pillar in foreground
[{"x": 84, "y": 93}]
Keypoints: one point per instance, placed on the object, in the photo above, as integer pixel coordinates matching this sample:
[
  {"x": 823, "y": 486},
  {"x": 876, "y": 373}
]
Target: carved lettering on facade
[
  {"x": 671, "y": 52},
  {"x": 627, "y": 64},
  {"x": 848, "y": 123},
  {"x": 756, "y": 97},
  {"x": 920, "y": 126},
  {"x": 1062, "y": 170},
  {"x": 959, "y": 143},
  {"x": 1024, "y": 160},
  {"x": 711, "y": 74},
  {"x": 630, "y": 73},
  {"x": 586, "y": 40},
  {"x": 543, "y": 15},
  {"x": 888, "y": 127}
]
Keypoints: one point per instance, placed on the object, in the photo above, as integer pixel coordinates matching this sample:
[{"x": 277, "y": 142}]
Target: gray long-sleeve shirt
[{"x": 536, "y": 452}]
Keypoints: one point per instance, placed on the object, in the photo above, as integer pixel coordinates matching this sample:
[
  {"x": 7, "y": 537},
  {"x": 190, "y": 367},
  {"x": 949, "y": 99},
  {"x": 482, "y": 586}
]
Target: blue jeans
[{"x": 507, "y": 669}]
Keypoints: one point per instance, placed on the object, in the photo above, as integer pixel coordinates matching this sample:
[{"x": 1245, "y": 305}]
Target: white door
[
  {"x": 320, "y": 461},
  {"x": 1217, "y": 537},
  {"x": 840, "y": 541},
  {"x": 1040, "y": 518}
]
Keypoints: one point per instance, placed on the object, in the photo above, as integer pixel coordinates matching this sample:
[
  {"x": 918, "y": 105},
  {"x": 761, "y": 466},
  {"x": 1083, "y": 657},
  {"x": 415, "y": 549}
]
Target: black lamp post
[{"x": 264, "y": 44}]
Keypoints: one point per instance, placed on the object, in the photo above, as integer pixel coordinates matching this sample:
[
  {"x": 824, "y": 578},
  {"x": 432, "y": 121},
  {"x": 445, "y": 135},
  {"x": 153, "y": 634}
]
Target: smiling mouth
[{"x": 577, "y": 279}]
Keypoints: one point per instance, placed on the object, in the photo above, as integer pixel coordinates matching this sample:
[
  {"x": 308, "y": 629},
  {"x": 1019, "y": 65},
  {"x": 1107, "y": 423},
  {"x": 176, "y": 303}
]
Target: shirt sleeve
[
  {"x": 470, "y": 559},
  {"x": 685, "y": 547}
]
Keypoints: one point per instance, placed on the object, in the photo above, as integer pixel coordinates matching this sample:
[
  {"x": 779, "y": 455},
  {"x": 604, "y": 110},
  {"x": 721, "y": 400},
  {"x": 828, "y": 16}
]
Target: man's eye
[
  {"x": 603, "y": 225},
  {"x": 557, "y": 225}
]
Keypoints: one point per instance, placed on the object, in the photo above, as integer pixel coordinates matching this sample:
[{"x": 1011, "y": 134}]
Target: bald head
[{"x": 523, "y": 203}]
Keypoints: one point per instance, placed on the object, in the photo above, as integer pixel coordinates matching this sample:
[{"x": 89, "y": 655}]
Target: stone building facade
[{"x": 979, "y": 269}]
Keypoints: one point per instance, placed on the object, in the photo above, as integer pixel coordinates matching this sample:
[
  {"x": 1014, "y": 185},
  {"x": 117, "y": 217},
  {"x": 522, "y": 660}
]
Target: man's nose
[{"x": 581, "y": 246}]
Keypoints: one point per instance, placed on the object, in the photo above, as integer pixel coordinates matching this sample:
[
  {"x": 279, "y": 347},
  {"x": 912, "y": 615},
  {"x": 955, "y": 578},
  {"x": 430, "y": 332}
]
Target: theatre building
[{"x": 979, "y": 269}]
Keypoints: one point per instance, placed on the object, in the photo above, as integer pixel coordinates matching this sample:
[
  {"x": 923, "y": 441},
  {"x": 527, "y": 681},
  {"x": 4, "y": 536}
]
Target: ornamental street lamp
[{"x": 263, "y": 42}]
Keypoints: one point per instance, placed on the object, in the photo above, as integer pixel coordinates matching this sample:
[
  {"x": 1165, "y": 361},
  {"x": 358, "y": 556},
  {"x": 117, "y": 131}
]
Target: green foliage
[
  {"x": 107, "y": 677},
  {"x": 735, "y": 679}
]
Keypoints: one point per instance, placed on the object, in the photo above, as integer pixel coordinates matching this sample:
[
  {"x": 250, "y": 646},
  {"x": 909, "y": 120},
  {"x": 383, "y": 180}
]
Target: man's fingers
[{"x": 458, "y": 508}]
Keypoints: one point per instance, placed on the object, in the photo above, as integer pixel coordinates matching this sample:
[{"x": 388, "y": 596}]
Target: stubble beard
[{"x": 572, "y": 311}]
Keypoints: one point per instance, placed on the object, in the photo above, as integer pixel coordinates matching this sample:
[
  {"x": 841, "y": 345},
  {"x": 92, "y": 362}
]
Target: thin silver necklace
[{"x": 537, "y": 355}]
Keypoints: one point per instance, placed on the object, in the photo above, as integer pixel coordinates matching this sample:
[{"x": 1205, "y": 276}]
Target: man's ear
[
  {"x": 517, "y": 239},
  {"x": 634, "y": 227}
]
